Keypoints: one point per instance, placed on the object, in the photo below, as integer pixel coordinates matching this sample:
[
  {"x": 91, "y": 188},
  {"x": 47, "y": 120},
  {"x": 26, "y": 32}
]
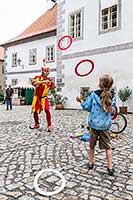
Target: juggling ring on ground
[
  {"x": 61, "y": 39},
  {"x": 49, "y": 193},
  {"x": 82, "y": 61}
]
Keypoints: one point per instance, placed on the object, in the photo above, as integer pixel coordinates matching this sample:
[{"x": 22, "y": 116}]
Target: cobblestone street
[{"x": 24, "y": 152}]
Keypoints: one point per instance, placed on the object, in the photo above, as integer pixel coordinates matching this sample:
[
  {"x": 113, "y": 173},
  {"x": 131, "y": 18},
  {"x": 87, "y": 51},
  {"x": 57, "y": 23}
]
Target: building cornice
[
  {"x": 103, "y": 50},
  {"x": 28, "y": 72}
]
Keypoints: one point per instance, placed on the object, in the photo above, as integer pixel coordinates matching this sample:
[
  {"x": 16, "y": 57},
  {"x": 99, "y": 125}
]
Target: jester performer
[{"x": 40, "y": 100}]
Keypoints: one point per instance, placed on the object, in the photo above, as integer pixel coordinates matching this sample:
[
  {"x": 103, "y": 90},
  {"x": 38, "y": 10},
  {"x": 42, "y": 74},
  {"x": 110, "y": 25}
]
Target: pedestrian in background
[
  {"x": 100, "y": 105},
  {"x": 9, "y": 93}
]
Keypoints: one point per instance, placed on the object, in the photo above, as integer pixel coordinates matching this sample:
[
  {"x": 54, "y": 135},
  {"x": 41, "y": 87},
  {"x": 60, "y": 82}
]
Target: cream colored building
[{"x": 24, "y": 54}]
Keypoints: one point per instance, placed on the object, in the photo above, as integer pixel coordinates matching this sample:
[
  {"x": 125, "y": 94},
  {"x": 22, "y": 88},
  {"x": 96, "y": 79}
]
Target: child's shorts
[{"x": 104, "y": 139}]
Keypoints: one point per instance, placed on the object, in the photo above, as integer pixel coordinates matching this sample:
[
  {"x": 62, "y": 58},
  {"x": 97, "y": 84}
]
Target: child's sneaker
[
  {"x": 90, "y": 166},
  {"x": 111, "y": 172}
]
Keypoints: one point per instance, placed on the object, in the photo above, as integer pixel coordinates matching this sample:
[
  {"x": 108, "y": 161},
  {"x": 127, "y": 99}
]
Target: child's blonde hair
[{"x": 105, "y": 83}]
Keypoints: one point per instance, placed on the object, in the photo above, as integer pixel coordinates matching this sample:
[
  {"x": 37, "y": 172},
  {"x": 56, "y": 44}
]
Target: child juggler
[{"x": 100, "y": 105}]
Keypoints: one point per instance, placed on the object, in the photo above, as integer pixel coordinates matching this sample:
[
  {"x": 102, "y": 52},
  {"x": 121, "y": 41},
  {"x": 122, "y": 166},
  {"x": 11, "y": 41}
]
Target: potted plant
[
  {"x": 58, "y": 100},
  {"x": 124, "y": 94}
]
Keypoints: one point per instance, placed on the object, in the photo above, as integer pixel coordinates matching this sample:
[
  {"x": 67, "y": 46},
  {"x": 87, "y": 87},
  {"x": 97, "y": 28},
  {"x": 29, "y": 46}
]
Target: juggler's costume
[{"x": 40, "y": 100}]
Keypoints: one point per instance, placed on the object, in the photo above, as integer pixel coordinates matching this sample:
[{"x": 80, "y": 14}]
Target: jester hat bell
[{"x": 45, "y": 68}]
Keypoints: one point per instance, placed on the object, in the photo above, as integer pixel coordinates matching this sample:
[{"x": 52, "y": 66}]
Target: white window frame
[
  {"x": 50, "y": 53},
  {"x": 73, "y": 27},
  {"x": 33, "y": 56},
  {"x": 14, "y": 59},
  {"x": 14, "y": 82},
  {"x": 85, "y": 91},
  {"x": 109, "y": 19},
  {"x": 3, "y": 69},
  {"x": 30, "y": 80}
]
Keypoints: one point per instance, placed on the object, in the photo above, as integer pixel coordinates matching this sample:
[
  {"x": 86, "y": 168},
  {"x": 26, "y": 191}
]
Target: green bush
[
  {"x": 1, "y": 95},
  {"x": 124, "y": 94},
  {"x": 1, "y": 98}
]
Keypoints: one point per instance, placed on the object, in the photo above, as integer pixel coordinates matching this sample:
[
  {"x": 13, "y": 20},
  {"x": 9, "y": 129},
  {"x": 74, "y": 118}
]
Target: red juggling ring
[
  {"x": 82, "y": 61},
  {"x": 115, "y": 113},
  {"x": 62, "y": 38}
]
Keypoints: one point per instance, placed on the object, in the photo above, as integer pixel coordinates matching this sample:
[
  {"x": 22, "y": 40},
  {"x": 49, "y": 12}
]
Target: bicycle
[{"x": 119, "y": 122}]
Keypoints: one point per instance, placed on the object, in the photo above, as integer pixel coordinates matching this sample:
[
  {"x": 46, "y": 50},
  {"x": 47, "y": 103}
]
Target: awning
[
  {"x": 23, "y": 85},
  {"x": 108, "y": 3}
]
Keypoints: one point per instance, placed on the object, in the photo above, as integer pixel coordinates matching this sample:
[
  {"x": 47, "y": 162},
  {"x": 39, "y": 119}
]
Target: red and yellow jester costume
[{"x": 40, "y": 100}]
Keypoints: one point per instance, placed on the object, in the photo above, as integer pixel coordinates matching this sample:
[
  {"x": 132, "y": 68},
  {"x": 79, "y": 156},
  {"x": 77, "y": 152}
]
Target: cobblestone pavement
[{"x": 24, "y": 152}]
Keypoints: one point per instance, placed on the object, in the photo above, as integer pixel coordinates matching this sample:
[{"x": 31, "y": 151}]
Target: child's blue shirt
[{"x": 98, "y": 119}]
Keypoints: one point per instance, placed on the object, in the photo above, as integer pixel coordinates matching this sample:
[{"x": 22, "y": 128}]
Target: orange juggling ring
[
  {"x": 82, "y": 61},
  {"x": 62, "y": 38}
]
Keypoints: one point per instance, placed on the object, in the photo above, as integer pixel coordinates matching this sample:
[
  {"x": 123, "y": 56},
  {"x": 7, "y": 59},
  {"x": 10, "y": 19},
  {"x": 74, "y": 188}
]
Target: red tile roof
[
  {"x": 1, "y": 53},
  {"x": 45, "y": 23}
]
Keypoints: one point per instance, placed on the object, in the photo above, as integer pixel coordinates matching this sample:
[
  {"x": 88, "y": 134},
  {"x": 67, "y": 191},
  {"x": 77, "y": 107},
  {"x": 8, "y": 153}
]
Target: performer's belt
[{"x": 40, "y": 97}]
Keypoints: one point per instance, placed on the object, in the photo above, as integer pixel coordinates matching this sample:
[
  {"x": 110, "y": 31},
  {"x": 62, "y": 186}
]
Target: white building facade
[
  {"x": 31, "y": 55},
  {"x": 102, "y": 32}
]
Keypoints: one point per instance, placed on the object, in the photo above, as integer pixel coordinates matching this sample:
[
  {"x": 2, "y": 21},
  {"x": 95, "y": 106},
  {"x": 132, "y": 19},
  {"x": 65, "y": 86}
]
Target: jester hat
[{"x": 45, "y": 68}]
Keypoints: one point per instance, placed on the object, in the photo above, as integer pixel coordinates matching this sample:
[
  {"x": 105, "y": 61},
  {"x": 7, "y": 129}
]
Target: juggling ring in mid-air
[
  {"x": 62, "y": 38},
  {"x": 82, "y": 61},
  {"x": 49, "y": 193}
]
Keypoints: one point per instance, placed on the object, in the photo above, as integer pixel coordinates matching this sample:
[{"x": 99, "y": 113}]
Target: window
[
  {"x": 32, "y": 56},
  {"x": 50, "y": 53},
  {"x": 59, "y": 89},
  {"x": 30, "y": 80},
  {"x": 85, "y": 92},
  {"x": 75, "y": 24},
  {"x": 14, "y": 82},
  {"x": 14, "y": 59},
  {"x": 109, "y": 18},
  {"x": 3, "y": 69}
]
